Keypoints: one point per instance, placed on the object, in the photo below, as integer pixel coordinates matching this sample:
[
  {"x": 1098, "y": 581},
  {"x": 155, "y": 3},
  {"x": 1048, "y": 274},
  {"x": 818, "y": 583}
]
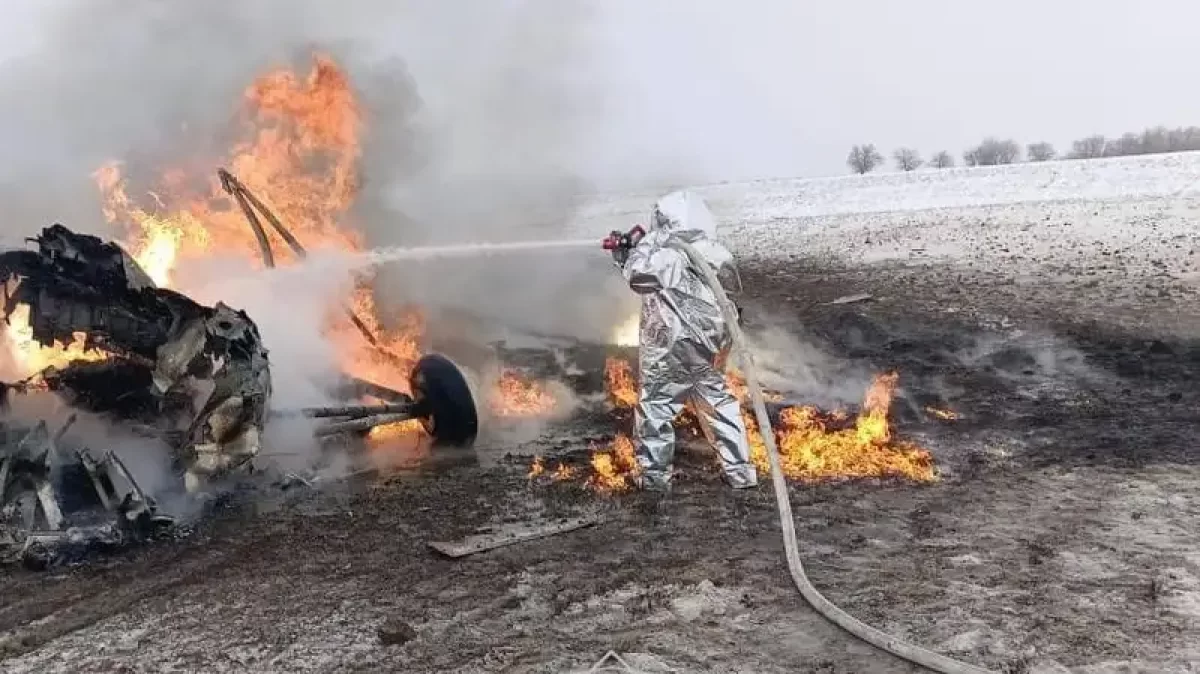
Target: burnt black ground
[{"x": 1059, "y": 532}]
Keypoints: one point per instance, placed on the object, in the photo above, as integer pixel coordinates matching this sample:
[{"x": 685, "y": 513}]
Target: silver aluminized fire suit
[{"x": 683, "y": 337}]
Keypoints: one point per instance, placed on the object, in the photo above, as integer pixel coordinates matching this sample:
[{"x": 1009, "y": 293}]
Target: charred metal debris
[
  {"x": 59, "y": 505},
  {"x": 193, "y": 376},
  {"x": 157, "y": 363}
]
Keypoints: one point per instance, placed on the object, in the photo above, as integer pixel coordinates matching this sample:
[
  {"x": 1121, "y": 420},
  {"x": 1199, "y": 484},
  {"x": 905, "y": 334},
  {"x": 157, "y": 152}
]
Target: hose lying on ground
[{"x": 881, "y": 640}]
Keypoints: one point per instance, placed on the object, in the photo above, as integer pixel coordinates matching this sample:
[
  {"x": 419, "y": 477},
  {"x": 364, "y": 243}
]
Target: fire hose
[{"x": 827, "y": 609}]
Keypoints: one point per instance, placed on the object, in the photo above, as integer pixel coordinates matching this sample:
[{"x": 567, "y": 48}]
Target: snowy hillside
[{"x": 1008, "y": 211}]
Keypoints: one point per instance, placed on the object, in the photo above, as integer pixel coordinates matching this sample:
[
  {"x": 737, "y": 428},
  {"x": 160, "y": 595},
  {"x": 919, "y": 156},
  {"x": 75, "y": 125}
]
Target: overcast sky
[
  {"x": 786, "y": 87},
  {"x": 643, "y": 90}
]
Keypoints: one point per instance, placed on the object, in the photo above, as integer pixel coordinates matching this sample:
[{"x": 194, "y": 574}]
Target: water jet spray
[{"x": 380, "y": 256}]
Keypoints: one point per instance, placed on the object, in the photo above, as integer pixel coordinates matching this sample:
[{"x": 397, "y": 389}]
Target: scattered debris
[
  {"x": 56, "y": 507},
  {"x": 508, "y": 534}
]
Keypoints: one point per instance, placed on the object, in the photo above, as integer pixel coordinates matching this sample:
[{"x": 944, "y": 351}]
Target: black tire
[{"x": 444, "y": 398}]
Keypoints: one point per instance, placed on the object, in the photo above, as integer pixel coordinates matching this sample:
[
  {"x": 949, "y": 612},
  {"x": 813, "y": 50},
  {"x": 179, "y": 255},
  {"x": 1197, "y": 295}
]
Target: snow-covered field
[{"x": 1029, "y": 212}]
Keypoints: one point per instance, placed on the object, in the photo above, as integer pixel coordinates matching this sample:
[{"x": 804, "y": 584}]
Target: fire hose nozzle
[{"x": 617, "y": 239}]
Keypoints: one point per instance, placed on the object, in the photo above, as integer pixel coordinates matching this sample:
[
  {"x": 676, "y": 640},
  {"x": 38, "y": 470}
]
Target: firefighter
[{"x": 683, "y": 339}]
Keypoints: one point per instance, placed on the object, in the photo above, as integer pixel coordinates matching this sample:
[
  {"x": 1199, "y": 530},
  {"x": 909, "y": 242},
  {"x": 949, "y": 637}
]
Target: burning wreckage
[{"x": 196, "y": 377}]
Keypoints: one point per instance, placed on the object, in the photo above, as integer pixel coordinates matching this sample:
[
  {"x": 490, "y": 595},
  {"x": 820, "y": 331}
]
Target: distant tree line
[{"x": 995, "y": 151}]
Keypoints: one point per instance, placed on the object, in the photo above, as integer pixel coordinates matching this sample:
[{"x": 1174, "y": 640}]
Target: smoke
[
  {"x": 291, "y": 306},
  {"x": 147, "y": 459},
  {"x": 1039, "y": 363},
  {"x": 803, "y": 372},
  {"x": 486, "y": 121},
  {"x": 499, "y": 151}
]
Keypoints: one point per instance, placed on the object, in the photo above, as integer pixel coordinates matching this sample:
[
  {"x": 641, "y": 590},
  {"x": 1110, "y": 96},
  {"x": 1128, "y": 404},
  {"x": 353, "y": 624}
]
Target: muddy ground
[{"x": 1060, "y": 537}]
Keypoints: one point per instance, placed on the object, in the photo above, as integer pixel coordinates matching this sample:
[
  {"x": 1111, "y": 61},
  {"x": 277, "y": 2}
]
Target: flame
[
  {"x": 623, "y": 392},
  {"x": 612, "y": 469},
  {"x": 813, "y": 445},
  {"x": 537, "y": 468},
  {"x": 620, "y": 383},
  {"x": 31, "y": 357},
  {"x": 400, "y": 445},
  {"x": 817, "y": 446},
  {"x": 410, "y": 431},
  {"x": 153, "y": 241},
  {"x": 299, "y": 150},
  {"x": 299, "y": 153},
  {"x": 628, "y": 332},
  {"x": 516, "y": 396}
]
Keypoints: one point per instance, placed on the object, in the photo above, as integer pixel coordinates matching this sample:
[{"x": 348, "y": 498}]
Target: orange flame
[
  {"x": 561, "y": 473},
  {"x": 813, "y": 445},
  {"x": 620, "y": 383},
  {"x": 31, "y": 357},
  {"x": 516, "y": 396},
  {"x": 613, "y": 469},
  {"x": 809, "y": 449},
  {"x": 537, "y": 468},
  {"x": 736, "y": 381}
]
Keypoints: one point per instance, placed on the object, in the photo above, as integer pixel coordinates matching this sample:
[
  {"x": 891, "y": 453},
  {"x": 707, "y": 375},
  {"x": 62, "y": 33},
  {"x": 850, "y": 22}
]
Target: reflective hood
[{"x": 685, "y": 216}]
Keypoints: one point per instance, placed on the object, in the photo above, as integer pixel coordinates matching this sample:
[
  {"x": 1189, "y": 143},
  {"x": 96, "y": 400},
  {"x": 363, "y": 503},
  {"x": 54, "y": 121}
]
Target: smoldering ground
[{"x": 1036, "y": 534}]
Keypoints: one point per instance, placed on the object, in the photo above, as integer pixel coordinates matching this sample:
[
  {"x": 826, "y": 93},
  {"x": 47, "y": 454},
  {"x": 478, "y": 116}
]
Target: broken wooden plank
[
  {"x": 851, "y": 299},
  {"x": 509, "y": 534}
]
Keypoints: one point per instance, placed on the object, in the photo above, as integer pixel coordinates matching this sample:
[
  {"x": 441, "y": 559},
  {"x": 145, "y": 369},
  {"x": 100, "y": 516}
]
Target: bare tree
[
  {"x": 941, "y": 160},
  {"x": 1154, "y": 140},
  {"x": 1181, "y": 140},
  {"x": 864, "y": 158},
  {"x": 1088, "y": 148},
  {"x": 1128, "y": 144},
  {"x": 992, "y": 152},
  {"x": 1040, "y": 151},
  {"x": 907, "y": 159},
  {"x": 1157, "y": 140}
]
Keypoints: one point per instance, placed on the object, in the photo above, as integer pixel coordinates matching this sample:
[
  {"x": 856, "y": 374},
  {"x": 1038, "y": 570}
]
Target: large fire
[
  {"x": 813, "y": 445},
  {"x": 298, "y": 151}
]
